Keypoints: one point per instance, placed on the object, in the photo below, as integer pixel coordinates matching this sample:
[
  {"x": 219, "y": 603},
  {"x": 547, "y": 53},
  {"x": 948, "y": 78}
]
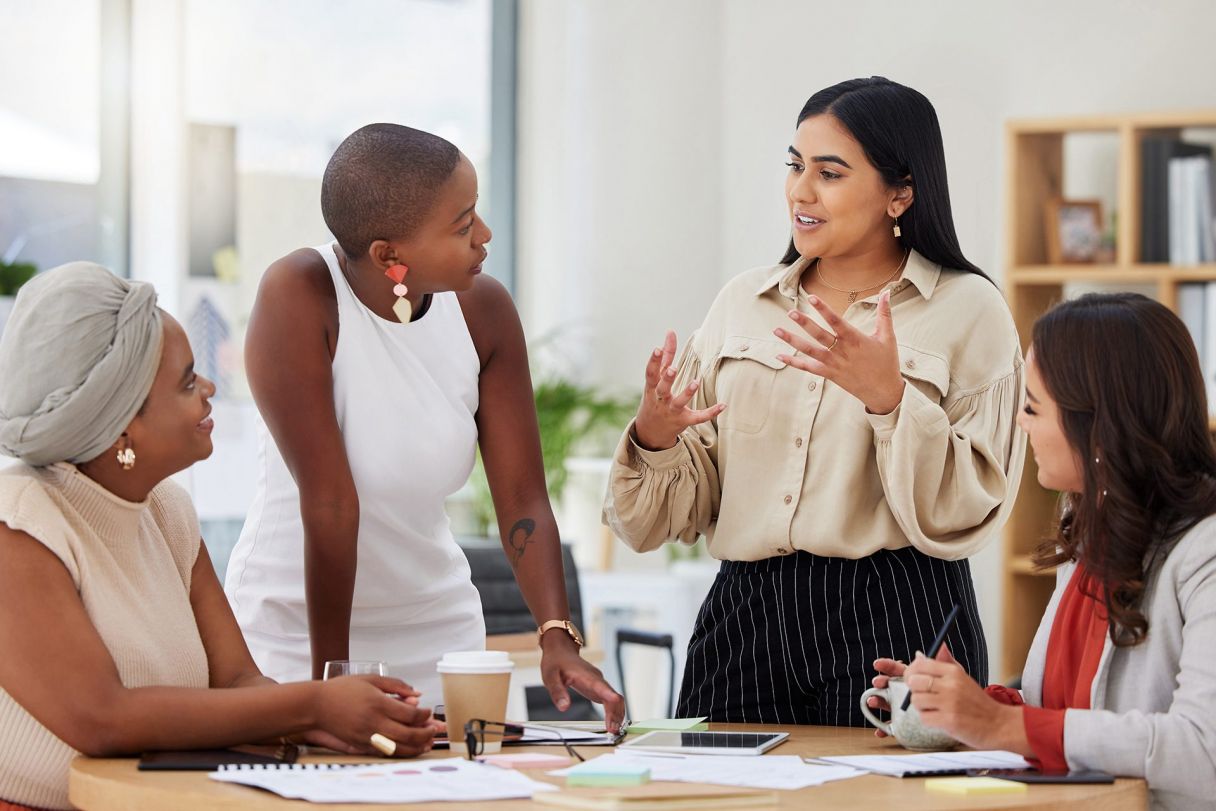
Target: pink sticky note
[{"x": 527, "y": 760}]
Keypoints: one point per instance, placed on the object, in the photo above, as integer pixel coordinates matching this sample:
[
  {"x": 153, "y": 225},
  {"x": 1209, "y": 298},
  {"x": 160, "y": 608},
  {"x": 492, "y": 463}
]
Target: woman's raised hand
[
  {"x": 663, "y": 415},
  {"x": 353, "y": 708},
  {"x": 866, "y": 366}
]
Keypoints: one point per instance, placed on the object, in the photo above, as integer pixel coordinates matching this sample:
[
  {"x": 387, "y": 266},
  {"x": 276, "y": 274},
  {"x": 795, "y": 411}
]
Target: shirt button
[
  {"x": 909, "y": 364},
  {"x": 745, "y": 347},
  {"x": 788, "y": 499},
  {"x": 798, "y": 442},
  {"x": 781, "y": 550},
  {"x": 812, "y": 385}
]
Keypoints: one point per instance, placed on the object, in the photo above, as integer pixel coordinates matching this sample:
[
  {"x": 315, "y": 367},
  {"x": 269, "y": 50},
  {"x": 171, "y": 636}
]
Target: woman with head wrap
[{"x": 117, "y": 637}]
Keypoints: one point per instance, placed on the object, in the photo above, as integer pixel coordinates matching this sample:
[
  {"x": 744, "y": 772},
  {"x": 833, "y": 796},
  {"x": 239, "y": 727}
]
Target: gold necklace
[{"x": 853, "y": 293}]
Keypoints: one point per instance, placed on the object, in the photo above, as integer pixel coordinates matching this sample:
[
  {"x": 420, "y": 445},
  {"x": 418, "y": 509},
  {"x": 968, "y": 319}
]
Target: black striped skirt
[{"x": 793, "y": 639}]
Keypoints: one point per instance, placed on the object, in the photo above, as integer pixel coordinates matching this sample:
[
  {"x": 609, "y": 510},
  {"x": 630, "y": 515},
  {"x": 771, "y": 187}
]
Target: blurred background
[{"x": 630, "y": 154}]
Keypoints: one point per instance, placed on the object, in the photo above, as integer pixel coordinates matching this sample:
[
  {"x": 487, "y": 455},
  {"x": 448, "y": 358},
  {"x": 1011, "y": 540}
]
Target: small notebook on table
[{"x": 208, "y": 760}]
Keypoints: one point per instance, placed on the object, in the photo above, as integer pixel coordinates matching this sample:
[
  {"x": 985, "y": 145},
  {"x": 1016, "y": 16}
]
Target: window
[
  {"x": 271, "y": 87},
  {"x": 50, "y": 131}
]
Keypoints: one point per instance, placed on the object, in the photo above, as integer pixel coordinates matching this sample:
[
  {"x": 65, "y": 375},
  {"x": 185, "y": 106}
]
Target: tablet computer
[
  {"x": 706, "y": 743},
  {"x": 1035, "y": 776}
]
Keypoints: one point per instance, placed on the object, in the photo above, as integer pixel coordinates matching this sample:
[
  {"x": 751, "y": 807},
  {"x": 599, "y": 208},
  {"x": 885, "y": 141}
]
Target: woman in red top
[{"x": 1122, "y": 673}]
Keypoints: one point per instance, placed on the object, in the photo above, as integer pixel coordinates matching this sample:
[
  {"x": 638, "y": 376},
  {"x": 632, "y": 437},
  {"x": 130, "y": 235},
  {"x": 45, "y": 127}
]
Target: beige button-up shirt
[{"x": 796, "y": 463}]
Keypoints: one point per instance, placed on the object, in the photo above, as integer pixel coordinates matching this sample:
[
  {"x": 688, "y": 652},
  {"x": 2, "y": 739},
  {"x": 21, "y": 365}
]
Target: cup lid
[{"x": 476, "y": 661}]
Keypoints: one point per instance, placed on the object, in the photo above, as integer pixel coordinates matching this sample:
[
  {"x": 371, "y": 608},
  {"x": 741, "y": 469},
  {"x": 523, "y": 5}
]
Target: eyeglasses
[{"x": 476, "y": 731}]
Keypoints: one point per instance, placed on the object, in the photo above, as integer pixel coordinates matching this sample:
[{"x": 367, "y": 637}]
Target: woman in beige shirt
[
  {"x": 116, "y": 636},
  {"x": 841, "y": 429}
]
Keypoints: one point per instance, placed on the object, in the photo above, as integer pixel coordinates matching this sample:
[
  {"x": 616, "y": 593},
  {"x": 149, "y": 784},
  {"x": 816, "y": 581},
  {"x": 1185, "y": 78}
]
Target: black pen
[{"x": 935, "y": 647}]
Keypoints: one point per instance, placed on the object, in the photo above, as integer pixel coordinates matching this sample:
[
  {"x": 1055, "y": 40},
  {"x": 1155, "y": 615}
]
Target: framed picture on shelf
[{"x": 1074, "y": 231}]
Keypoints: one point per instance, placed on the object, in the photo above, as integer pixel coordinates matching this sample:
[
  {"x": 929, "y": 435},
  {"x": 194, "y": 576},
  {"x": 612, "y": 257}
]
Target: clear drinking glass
[{"x": 353, "y": 667}]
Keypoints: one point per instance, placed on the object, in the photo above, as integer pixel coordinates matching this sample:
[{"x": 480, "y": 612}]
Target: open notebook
[{"x": 931, "y": 763}]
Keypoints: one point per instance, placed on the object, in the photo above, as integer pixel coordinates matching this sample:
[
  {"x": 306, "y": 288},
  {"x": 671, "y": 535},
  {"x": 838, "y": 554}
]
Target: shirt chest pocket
[
  {"x": 930, "y": 373},
  {"x": 747, "y": 369}
]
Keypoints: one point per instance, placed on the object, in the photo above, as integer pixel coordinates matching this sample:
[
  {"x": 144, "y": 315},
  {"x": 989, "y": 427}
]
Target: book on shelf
[
  {"x": 1197, "y": 309},
  {"x": 1191, "y": 230},
  {"x": 1156, "y": 152}
]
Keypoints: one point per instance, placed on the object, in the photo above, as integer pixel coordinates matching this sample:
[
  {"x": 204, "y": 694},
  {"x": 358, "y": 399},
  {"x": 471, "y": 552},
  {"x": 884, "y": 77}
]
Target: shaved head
[{"x": 381, "y": 183}]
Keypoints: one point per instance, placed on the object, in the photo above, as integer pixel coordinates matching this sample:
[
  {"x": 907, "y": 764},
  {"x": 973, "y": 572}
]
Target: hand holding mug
[
  {"x": 906, "y": 726},
  {"x": 887, "y": 669},
  {"x": 947, "y": 698},
  {"x": 663, "y": 415}
]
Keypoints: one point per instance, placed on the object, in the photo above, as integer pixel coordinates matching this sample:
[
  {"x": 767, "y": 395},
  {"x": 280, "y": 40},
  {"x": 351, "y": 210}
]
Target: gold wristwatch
[{"x": 569, "y": 627}]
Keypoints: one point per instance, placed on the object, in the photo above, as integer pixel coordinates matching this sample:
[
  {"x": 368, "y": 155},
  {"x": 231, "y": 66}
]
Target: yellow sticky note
[{"x": 973, "y": 785}]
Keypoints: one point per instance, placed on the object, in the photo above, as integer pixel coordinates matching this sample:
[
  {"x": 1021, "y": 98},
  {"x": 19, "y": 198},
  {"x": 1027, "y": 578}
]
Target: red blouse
[{"x": 1078, "y": 636}]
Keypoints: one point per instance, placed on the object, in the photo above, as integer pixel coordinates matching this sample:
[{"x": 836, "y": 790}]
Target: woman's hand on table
[
  {"x": 662, "y": 415},
  {"x": 351, "y": 709},
  {"x": 561, "y": 668},
  {"x": 866, "y": 366}
]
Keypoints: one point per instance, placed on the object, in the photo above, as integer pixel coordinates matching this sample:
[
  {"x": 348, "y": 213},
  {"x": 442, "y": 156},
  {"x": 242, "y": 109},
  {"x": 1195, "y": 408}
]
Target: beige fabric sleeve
[
  {"x": 26, "y": 508},
  {"x": 948, "y": 471},
  {"x": 659, "y": 496}
]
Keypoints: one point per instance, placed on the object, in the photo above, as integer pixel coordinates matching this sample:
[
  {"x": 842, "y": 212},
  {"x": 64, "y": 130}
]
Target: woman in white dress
[{"x": 379, "y": 362}]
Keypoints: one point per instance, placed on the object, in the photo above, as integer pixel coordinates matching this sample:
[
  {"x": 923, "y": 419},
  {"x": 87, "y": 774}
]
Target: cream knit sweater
[{"x": 131, "y": 564}]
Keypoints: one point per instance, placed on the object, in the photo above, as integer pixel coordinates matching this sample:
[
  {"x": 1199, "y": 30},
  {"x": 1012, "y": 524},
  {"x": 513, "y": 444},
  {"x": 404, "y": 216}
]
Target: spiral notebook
[
  {"x": 402, "y": 781},
  {"x": 931, "y": 764}
]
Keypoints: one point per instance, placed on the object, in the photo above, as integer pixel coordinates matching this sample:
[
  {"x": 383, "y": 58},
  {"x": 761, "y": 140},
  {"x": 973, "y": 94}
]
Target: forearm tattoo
[{"x": 519, "y": 537}]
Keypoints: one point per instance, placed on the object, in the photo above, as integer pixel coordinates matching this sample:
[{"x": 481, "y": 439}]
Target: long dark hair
[
  {"x": 898, "y": 131},
  {"x": 1125, "y": 375}
]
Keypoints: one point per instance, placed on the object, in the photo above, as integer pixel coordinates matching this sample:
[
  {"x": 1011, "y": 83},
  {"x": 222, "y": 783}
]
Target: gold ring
[
  {"x": 385, "y": 744},
  {"x": 835, "y": 338}
]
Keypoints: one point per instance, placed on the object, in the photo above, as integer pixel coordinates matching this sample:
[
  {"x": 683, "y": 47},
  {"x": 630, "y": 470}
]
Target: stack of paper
[
  {"x": 658, "y": 797},
  {"x": 419, "y": 781},
  {"x": 575, "y": 732},
  {"x": 749, "y": 771}
]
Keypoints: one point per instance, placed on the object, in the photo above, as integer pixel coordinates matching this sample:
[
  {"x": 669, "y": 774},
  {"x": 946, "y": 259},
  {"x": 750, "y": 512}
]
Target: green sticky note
[
  {"x": 669, "y": 725},
  {"x": 607, "y": 773}
]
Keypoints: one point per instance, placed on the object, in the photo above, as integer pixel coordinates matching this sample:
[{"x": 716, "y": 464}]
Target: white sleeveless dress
[{"x": 405, "y": 395}]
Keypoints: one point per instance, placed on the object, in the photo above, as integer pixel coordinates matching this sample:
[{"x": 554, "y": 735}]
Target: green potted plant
[
  {"x": 12, "y": 276},
  {"x": 573, "y": 418}
]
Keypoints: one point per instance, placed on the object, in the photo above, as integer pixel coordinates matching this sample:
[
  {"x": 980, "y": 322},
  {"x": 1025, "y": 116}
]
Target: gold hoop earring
[{"x": 126, "y": 458}]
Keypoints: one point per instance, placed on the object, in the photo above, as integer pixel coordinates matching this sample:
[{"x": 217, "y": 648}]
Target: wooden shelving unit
[{"x": 1034, "y": 174}]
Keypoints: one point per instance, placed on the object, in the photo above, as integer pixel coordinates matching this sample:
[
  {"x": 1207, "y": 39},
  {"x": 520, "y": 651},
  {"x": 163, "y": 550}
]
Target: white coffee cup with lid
[{"x": 475, "y": 685}]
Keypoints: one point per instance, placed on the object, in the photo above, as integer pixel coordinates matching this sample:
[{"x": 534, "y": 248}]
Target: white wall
[
  {"x": 652, "y": 136},
  {"x": 620, "y": 197}
]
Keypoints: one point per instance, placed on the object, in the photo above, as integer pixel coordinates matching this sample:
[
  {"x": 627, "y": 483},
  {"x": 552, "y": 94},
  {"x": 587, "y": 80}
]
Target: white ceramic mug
[{"x": 905, "y": 725}]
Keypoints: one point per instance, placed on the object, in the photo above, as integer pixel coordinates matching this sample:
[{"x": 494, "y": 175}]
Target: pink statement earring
[{"x": 402, "y": 308}]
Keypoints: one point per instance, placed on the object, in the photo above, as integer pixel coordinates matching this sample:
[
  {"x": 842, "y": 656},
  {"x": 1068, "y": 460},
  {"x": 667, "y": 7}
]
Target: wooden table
[{"x": 116, "y": 785}]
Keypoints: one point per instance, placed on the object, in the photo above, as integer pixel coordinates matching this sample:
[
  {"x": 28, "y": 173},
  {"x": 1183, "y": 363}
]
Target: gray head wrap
[{"x": 77, "y": 359}]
